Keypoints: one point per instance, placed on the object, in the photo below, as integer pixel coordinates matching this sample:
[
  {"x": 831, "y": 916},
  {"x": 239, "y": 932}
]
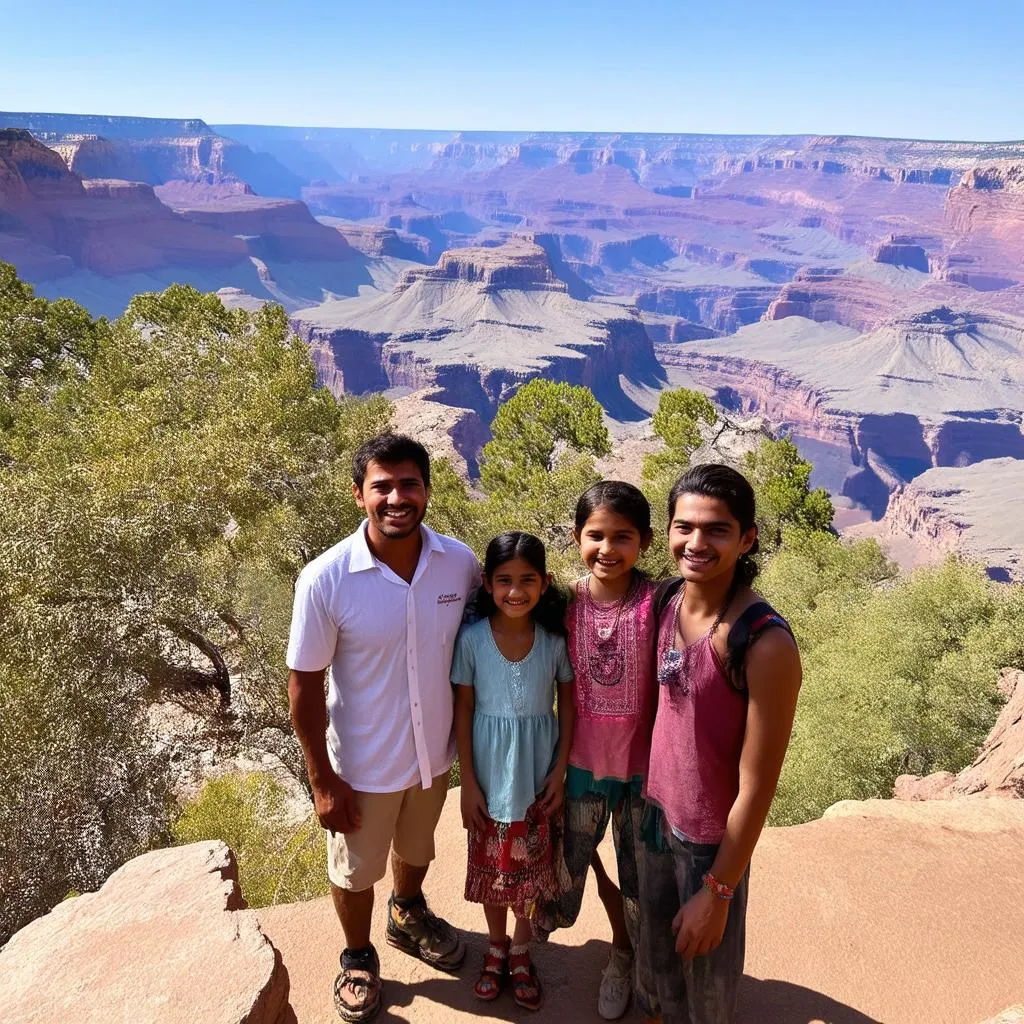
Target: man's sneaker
[
  {"x": 616, "y": 985},
  {"x": 357, "y": 986},
  {"x": 420, "y": 933}
]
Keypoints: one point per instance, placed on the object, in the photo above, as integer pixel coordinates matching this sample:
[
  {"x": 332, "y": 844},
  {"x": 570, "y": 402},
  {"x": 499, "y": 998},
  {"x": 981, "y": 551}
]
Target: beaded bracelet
[{"x": 717, "y": 888}]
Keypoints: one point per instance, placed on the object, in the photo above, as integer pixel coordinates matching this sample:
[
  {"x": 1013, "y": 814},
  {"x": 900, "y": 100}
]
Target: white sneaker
[{"x": 616, "y": 985}]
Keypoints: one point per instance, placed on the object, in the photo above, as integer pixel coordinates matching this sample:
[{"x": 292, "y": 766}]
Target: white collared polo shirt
[{"x": 389, "y": 646}]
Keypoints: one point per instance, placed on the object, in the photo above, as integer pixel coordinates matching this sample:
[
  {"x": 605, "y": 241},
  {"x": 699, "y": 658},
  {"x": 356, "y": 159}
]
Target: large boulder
[{"x": 167, "y": 939}]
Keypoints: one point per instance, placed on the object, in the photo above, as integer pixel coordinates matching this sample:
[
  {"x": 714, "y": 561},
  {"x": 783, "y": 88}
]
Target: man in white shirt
[{"x": 381, "y": 609}]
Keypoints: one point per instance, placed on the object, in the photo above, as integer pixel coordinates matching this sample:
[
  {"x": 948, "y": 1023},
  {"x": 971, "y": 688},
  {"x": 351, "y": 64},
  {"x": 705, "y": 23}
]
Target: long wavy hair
[{"x": 549, "y": 612}]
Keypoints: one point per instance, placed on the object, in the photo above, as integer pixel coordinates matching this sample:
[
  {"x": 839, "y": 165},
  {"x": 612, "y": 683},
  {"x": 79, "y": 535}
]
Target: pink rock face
[
  {"x": 167, "y": 939},
  {"x": 111, "y": 227},
  {"x": 999, "y": 767},
  {"x": 277, "y": 229},
  {"x": 985, "y": 213}
]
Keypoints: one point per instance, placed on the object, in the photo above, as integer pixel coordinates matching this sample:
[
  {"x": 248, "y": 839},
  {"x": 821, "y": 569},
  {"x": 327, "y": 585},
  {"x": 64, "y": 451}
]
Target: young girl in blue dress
[{"x": 513, "y": 752}]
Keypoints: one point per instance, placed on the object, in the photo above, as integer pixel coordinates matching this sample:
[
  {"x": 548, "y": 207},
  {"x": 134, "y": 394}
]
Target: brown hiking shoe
[{"x": 420, "y": 933}]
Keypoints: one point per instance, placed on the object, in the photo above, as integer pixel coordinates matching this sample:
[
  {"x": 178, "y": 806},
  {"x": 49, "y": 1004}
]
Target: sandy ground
[{"x": 906, "y": 919}]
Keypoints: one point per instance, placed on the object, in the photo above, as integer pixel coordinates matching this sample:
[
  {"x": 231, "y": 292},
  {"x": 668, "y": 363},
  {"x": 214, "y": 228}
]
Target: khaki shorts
[{"x": 405, "y": 821}]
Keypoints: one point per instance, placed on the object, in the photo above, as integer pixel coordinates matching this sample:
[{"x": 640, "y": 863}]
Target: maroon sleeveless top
[{"x": 698, "y": 736}]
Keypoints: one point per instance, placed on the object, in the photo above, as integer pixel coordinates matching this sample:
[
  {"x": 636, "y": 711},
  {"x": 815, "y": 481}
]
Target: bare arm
[
  {"x": 333, "y": 798},
  {"x": 773, "y": 681},
  {"x": 553, "y": 793},
  {"x": 474, "y": 806}
]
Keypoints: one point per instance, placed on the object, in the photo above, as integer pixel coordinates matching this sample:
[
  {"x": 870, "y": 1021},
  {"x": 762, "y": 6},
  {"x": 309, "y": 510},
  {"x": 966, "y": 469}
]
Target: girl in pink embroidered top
[
  {"x": 611, "y": 644},
  {"x": 725, "y": 711}
]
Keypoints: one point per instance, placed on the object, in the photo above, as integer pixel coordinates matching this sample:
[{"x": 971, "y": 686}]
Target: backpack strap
[
  {"x": 759, "y": 617},
  {"x": 666, "y": 590}
]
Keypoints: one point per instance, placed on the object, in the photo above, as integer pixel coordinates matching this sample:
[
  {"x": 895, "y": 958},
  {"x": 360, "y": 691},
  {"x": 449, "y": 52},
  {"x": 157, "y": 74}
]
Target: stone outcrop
[
  {"x": 998, "y": 770},
  {"x": 111, "y": 227},
  {"x": 903, "y": 251},
  {"x": 456, "y": 434},
  {"x": 473, "y": 328},
  {"x": 373, "y": 240},
  {"x": 985, "y": 213},
  {"x": 155, "y": 150},
  {"x": 967, "y": 509},
  {"x": 166, "y": 939},
  {"x": 273, "y": 229}
]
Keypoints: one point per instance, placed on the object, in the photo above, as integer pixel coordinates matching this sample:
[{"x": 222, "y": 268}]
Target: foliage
[
  {"x": 539, "y": 460},
  {"x": 280, "y": 859},
  {"x": 41, "y": 343},
  {"x": 677, "y": 421},
  {"x": 157, "y": 497},
  {"x": 781, "y": 479},
  {"x": 899, "y": 677},
  {"x": 163, "y": 478}
]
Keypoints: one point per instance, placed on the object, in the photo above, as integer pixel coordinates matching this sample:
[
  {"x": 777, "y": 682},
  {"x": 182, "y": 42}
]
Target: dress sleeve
[
  {"x": 314, "y": 633},
  {"x": 563, "y": 666},
  {"x": 464, "y": 661}
]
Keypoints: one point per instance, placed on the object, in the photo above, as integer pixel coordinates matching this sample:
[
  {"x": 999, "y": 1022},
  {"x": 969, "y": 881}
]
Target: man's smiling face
[{"x": 394, "y": 498}]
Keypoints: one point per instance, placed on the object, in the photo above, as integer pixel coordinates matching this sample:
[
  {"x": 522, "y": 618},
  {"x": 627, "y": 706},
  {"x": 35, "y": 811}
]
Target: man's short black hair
[{"x": 386, "y": 450}]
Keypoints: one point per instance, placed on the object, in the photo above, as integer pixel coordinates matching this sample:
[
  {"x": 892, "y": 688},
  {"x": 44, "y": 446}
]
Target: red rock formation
[
  {"x": 475, "y": 327},
  {"x": 109, "y": 227},
  {"x": 903, "y": 251},
  {"x": 998, "y": 769},
  {"x": 167, "y": 938},
  {"x": 986, "y": 214},
  {"x": 275, "y": 229}
]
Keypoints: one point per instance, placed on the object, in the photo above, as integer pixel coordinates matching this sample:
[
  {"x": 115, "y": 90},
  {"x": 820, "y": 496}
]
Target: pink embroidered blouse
[{"x": 612, "y": 649}]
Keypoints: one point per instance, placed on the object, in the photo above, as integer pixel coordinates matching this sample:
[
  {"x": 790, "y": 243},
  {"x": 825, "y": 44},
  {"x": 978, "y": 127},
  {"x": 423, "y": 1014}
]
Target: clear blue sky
[{"x": 946, "y": 69}]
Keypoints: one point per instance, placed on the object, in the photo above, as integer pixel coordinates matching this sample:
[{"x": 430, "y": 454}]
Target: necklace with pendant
[{"x": 606, "y": 662}]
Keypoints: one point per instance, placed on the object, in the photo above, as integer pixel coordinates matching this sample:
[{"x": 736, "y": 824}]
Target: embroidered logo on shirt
[{"x": 449, "y": 599}]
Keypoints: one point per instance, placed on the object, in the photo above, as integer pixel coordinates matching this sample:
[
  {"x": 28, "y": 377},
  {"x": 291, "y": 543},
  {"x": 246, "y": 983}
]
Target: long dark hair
[
  {"x": 713, "y": 480},
  {"x": 549, "y": 612}
]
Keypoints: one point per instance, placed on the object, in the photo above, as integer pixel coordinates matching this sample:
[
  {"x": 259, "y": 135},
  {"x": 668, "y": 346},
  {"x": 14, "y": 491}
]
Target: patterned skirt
[{"x": 512, "y": 864}]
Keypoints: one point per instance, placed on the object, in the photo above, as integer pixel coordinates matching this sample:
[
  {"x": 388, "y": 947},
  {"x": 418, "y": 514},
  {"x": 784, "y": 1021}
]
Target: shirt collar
[{"x": 362, "y": 558}]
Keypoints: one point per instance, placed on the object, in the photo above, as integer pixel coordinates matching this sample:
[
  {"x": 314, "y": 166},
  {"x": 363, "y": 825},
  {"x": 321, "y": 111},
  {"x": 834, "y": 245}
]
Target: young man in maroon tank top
[{"x": 730, "y": 674}]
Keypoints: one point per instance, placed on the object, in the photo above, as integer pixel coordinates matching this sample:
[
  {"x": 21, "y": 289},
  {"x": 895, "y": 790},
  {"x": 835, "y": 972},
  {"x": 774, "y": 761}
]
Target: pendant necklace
[{"x": 606, "y": 662}]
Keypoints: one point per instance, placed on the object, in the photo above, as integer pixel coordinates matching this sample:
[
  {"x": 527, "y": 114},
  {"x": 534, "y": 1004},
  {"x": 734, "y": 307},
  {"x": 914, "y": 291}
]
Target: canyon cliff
[{"x": 474, "y": 327}]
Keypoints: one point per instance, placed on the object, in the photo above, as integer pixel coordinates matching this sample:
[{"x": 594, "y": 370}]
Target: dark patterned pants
[
  {"x": 585, "y": 824},
  {"x": 699, "y": 991}
]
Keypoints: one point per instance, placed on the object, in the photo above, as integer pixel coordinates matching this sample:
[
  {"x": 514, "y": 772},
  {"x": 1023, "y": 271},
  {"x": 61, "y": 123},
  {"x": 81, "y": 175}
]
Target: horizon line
[{"x": 514, "y": 131}]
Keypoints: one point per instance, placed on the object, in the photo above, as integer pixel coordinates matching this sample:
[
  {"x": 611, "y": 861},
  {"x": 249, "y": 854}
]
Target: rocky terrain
[
  {"x": 970, "y": 509},
  {"x": 154, "y": 150},
  {"x": 101, "y": 241},
  {"x": 938, "y": 388},
  {"x": 866, "y": 294},
  {"x": 475, "y": 326},
  {"x": 998, "y": 770},
  {"x": 166, "y": 939}
]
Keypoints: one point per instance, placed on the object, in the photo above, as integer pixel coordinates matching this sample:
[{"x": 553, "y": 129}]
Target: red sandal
[
  {"x": 494, "y": 976},
  {"x": 526, "y": 988}
]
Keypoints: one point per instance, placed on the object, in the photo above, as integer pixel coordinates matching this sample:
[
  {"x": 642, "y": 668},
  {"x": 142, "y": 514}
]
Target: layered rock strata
[
  {"x": 969, "y": 509},
  {"x": 473, "y": 328},
  {"x": 961, "y": 374}
]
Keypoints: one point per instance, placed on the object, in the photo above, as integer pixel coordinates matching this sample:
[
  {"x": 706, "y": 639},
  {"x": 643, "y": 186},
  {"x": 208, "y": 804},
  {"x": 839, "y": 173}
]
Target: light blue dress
[{"x": 515, "y": 733}]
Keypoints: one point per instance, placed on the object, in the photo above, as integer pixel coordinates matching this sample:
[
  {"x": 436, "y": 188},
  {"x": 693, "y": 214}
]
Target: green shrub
[
  {"x": 898, "y": 678},
  {"x": 280, "y": 860}
]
